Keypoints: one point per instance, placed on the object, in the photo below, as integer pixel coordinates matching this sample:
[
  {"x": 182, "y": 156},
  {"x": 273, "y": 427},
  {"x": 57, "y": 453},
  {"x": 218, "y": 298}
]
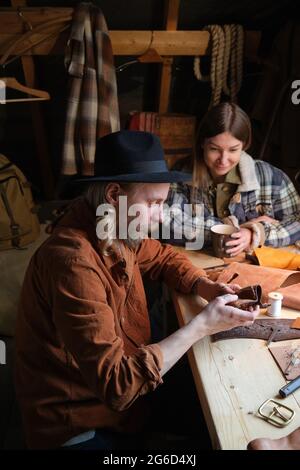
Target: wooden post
[
  {"x": 38, "y": 122},
  {"x": 171, "y": 11}
]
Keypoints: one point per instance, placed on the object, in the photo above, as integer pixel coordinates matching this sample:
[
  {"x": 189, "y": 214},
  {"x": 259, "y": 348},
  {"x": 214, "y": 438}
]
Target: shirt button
[
  {"x": 225, "y": 188},
  {"x": 225, "y": 212}
]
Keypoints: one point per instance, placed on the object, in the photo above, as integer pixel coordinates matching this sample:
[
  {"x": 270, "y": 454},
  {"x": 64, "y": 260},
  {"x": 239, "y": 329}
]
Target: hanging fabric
[{"x": 92, "y": 107}]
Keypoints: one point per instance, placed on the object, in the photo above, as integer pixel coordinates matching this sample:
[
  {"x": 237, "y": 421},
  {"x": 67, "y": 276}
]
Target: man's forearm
[
  {"x": 200, "y": 285},
  {"x": 177, "y": 344},
  {"x": 218, "y": 315}
]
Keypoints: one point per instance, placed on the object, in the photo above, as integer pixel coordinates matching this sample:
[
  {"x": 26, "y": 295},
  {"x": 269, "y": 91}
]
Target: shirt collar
[
  {"x": 120, "y": 261},
  {"x": 78, "y": 215},
  {"x": 233, "y": 176}
]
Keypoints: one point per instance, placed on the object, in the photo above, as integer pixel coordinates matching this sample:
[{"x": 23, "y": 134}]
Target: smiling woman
[
  {"x": 221, "y": 154},
  {"x": 254, "y": 196},
  {"x": 222, "y": 136}
]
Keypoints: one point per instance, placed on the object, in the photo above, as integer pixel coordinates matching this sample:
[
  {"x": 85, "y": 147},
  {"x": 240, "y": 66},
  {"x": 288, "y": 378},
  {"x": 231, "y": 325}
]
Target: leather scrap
[
  {"x": 296, "y": 323},
  {"x": 270, "y": 279},
  {"x": 277, "y": 258},
  {"x": 261, "y": 329},
  {"x": 282, "y": 353},
  {"x": 248, "y": 297},
  {"x": 291, "y": 296}
]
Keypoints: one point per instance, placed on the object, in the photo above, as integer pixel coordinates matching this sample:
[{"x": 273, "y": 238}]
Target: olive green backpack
[{"x": 19, "y": 223}]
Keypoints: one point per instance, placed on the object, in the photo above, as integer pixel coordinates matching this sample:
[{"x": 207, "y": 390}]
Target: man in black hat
[{"x": 85, "y": 359}]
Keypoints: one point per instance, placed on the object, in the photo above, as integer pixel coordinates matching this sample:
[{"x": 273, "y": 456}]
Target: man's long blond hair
[{"x": 94, "y": 195}]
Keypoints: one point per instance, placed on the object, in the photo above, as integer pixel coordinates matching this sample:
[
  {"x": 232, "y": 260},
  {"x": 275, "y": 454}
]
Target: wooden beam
[
  {"x": 123, "y": 42},
  {"x": 171, "y": 14},
  {"x": 12, "y": 23},
  {"x": 38, "y": 122},
  {"x": 171, "y": 22},
  {"x": 41, "y": 140},
  {"x": 172, "y": 43},
  {"x": 166, "y": 43}
]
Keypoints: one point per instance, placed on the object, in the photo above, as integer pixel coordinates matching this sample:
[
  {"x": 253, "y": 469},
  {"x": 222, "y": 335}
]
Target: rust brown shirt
[{"x": 83, "y": 353}]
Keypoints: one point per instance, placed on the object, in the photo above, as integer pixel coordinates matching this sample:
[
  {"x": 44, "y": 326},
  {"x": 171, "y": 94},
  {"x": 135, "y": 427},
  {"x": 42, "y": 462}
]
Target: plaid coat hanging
[{"x": 92, "y": 105}]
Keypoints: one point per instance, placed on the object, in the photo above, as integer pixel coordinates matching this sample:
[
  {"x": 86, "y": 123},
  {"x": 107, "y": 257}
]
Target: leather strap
[
  {"x": 14, "y": 227},
  {"x": 262, "y": 329}
]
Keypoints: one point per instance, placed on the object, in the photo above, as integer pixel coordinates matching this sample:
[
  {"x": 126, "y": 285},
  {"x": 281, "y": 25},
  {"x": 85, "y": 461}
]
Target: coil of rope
[{"x": 226, "y": 70}]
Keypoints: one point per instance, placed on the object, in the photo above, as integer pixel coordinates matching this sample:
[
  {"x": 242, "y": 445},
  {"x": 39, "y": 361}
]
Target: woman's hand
[
  {"x": 209, "y": 290},
  {"x": 264, "y": 218},
  {"x": 241, "y": 242}
]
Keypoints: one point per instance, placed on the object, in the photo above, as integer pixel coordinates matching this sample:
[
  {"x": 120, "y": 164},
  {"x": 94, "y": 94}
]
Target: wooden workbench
[{"x": 233, "y": 378}]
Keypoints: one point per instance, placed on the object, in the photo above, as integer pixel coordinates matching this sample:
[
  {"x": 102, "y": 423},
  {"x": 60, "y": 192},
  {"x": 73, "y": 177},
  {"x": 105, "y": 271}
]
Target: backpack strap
[
  {"x": 4, "y": 167},
  {"x": 14, "y": 227}
]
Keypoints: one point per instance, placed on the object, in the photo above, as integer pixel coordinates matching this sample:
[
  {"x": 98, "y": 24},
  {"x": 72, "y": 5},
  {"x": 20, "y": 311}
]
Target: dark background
[{"x": 138, "y": 84}]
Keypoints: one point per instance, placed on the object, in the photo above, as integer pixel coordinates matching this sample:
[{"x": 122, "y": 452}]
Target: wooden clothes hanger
[{"x": 12, "y": 83}]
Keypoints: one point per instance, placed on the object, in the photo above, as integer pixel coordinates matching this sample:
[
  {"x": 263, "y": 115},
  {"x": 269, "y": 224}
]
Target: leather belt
[{"x": 262, "y": 329}]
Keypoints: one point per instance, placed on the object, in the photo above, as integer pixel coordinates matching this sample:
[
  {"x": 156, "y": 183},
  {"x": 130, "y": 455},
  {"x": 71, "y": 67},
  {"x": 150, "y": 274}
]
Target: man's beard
[
  {"x": 143, "y": 234},
  {"x": 132, "y": 244},
  {"x": 135, "y": 242}
]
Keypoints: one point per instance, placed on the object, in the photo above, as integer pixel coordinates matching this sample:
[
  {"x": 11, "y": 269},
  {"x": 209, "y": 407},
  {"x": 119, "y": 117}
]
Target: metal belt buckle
[{"x": 276, "y": 417}]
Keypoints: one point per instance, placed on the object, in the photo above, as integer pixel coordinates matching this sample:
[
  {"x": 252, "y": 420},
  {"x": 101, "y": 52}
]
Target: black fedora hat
[{"x": 132, "y": 156}]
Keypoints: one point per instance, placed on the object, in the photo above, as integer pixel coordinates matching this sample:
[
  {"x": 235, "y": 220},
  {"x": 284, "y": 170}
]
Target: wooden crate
[{"x": 176, "y": 133}]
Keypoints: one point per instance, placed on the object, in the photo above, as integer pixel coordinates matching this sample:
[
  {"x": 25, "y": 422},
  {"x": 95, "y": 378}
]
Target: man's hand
[
  {"x": 218, "y": 316},
  {"x": 209, "y": 290},
  {"x": 241, "y": 242},
  {"x": 289, "y": 442}
]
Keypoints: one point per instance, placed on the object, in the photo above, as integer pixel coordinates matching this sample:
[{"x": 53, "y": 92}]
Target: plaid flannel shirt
[
  {"x": 265, "y": 190},
  {"x": 92, "y": 107}
]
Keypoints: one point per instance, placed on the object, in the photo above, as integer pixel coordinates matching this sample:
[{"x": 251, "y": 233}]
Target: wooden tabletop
[{"x": 233, "y": 378}]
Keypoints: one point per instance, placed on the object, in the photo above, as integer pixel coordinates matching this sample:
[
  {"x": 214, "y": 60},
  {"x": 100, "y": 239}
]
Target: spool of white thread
[{"x": 275, "y": 299}]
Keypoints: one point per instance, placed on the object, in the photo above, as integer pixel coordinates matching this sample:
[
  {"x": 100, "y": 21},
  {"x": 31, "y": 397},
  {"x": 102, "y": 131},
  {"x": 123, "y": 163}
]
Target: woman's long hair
[{"x": 224, "y": 117}]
